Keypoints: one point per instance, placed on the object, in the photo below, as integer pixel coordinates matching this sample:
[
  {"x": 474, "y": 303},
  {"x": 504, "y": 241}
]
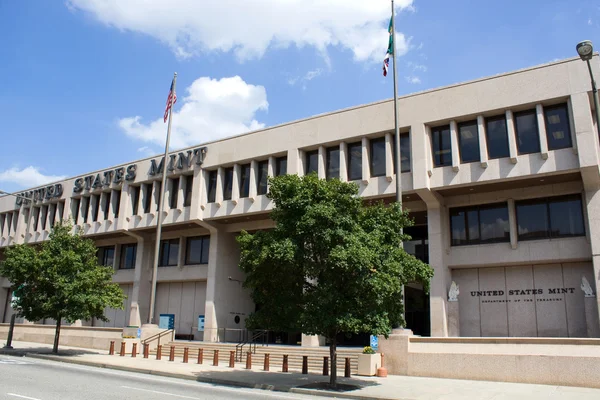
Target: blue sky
[{"x": 85, "y": 81}]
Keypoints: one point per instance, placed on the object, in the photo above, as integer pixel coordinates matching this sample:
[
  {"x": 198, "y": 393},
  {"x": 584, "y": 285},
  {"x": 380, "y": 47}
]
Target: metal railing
[
  {"x": 159, "y": 335},
  {"x": 259, "y": 336}
]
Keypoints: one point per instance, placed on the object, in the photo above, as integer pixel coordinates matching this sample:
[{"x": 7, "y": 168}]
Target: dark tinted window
[
  {"x": 95, "y": 209},
  {"x": 245, "y": 180},
  {"x": 106, "y": 256},
  {"x": 197, "y": 249},
  {"x": 74, "y": 210},
  {"x": 189, "y": 186},
  {"x": 440, "y": 143},
  {"x": 377, "y": 155},
  {"x": 333, "y": 162},
  {"x": 404, "y": 152},
  {"x": 147, "y": 197},
  {"x": 117, "y": 201},
  {"x": 281, "y": 166},
  {"x": 263, "y": 174},
  {"x": 135, "y": 199},
  {"x": 128, "y": 253},
  {"x": 354, "y": 161},
  {"x": 311, "y": 162},
  {"x": 174, "y": 193},
  {"x": 227, "y": 183},
  {"x": 548, "y": 218},
  {"x": 211, "y": 189},
  {"x": 468, "y": 139},
  {"x": 479, "y": 224},
  {"x": 169, "y": 253},
  {"x": 528, "y": 140},
  {"x": 85, "y": 211},
  {"x": 497, "y": 137},
  {"x": 158, "y": 194},
  {"x": 558, "y": 128}
]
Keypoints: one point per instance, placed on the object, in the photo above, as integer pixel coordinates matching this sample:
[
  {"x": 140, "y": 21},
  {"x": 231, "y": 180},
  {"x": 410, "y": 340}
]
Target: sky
[{"x": 85, "y": 82}]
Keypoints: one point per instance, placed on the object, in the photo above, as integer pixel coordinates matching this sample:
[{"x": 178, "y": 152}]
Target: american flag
[
  {"x": 386, "y": 64},
  {"x": 173, "y": 96}
]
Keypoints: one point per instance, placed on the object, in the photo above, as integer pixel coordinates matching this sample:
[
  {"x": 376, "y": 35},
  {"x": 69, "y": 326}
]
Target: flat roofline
[{"x": 343, "y": 110}]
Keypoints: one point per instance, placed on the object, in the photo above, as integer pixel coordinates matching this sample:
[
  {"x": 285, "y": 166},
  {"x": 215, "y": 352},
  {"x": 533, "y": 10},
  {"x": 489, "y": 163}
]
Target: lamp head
[{"x": 585, "y": 50}]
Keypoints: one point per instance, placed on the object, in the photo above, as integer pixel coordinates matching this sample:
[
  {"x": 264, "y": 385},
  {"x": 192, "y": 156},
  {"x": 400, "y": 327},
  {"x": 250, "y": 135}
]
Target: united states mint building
[{"x": 500, "y": 174}]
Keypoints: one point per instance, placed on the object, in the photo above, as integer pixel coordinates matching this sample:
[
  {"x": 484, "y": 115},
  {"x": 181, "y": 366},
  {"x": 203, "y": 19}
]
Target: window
[
  {"x": 86, "y": 208},
  {"x": 135, "y": 199},
  {"x": 106, "y": 204},
  {"x": 528, "y": 140},
  {"x": 479, "y": 224},
  {"x": 128, "y": 253},
  {"x": 558, "y": 128},
  {"x": 211, "y": 190},
  {"x": 117, "y": 200},
  {"x": 497, "y": 137},
  {"x": 44, "y": 217},
  {"x": 36, "y": 218},
  {"x": 197, "y": 249},
  {"x": 147, "y": 197},
  {"x": 189, "y": 186},
  {"x": 51, "y": 217},
  {"x": 442, "y": 149},
  {"x": 245, "y": 180},
  {"x": 311, "y": 162},
  {"x": 169, "y": 253},
  {"x": 228, "y": 183},
  {"x": 280, "y": 166},
  {"x": 404, "y": 152},
  {"x": 60, "y": 209},
  {"x": 332, "y": 169},
  {"x": 174, "y": 193},
  {"x": 354, "y": 161},
  {"x": 263, "y": 173},
  {"x": 75, "y": 209},
  {"x": 106, "y": 256},
  {"x": 377, "y": 155},
  {"x": 550, "y": 218},
  {"x": 157, "y": 194},
  {"x": 468, "y": 139},
  {"x": 95, "y": 206}
]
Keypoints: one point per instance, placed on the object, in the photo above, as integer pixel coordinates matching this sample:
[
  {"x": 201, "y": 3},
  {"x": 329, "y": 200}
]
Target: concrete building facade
[{"x": 501, "y": 175}]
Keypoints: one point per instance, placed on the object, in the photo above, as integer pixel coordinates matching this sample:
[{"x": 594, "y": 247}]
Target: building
[{"x": 501, "y": 174}]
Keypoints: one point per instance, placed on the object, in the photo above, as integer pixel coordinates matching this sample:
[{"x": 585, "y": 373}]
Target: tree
[
  {"x": 332, "y": 264},
  {"x": 60, "y": 280}
]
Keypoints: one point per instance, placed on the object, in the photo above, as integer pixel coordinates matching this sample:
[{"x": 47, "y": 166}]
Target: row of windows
[
  {"x": 9, "y": 220},
  {"x": 536, "y": 219},
  {"x": 526, "y": 128},
  {"x": 98, "y": 203},
  {"x": 197, "y": 250}
]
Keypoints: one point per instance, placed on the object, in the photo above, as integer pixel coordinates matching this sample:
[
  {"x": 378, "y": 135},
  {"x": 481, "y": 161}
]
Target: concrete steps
[{"x": 276, "y": 352}]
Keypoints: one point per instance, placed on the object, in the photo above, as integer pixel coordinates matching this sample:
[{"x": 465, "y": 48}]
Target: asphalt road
[{"x": 34, "y": 379}]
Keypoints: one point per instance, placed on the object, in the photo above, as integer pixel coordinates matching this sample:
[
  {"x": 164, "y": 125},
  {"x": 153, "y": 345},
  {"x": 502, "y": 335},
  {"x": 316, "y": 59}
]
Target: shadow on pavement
[{"x": 43, "y": 350}]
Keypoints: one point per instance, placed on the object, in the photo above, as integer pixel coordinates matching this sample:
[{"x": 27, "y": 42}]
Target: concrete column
[
  {"x": 293, "y": 162},
  {"x": 542, "y": 131},
  {"x": 253, "y": 172},
  {"x": 512, "y": 139},
  {"x": 271, "y": 167},
  {"x": 181, "y": 192},
  {"x": 156, "y": 191},
  {"x": 389, "y": 157},
  {"x": 483, "y": 151},
  {"x": 572, "y": 124},
  {"x": 312, "y": 340},
  {"x": 321, "y": 163},
  {"x": 111, "y": 204},
  {"x": 366, "y": 171},
  {"x": 343, "y": 162},
  {"x": 125, "y": 206},
  {"x": 453, "y": 319},
  {"x": 21, "y": 224},
  {"x": 591, "y": 316},
  {"x": 441, "y": 279},
  {"x": 592, "y": 203},
  {"x": 235, "y": 186},
  {"x": 140, "y": 294},
  {"x": 219, "y": 188},
  {"x": 198, "y": 194},
  {"x": 455, "y": 144},
  {"x": 512, "y": 222},
  {"x": 83, "y": 201}
]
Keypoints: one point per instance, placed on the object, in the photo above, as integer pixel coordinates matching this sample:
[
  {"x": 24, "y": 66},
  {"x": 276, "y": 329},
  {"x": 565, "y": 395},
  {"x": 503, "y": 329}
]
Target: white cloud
[
  {"x": 28, "y": 177},
  {"x": 309, "y": 76},
  {"x": 413, "y": 79},
  {"x": 211, "y": 110},
  {"x": 250, "y": 28},
  {"x": 147, "y": 151},
  {"x": 590, "y": 21},
  {"x": 416, "y": 67}
]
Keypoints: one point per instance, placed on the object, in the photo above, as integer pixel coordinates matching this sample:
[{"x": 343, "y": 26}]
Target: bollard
[
  {"x": 122, "y": 352},
  {"x": 231, "y": 359},
  {"x": 186, "y": 354},
  {"x": 172, "y": 354},
  {"x": 305, "y": 365},
  {"x": 216, "y": 358},
  {"x": 284, "y": 367},
  {"x": 111, "y": 349},
  {"x": 266, "y": 363},
  {"x": 159, "y": 351},
  {"x": 134, "y": 350},
  {"x": 248, "y": 360},
  {"x": 347, "y": 368},
  {"x": 200, "y": 355},
  {"x": 146, "y": 350},
  {"x": 325, "y": 366}
]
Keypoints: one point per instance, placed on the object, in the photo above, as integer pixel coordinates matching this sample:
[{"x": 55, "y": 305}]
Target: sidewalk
[{"x": 392, "y": 387}]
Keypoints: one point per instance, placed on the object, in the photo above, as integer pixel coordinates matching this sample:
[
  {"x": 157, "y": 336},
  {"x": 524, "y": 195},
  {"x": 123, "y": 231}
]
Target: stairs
[{"x": 276, "y": 352}]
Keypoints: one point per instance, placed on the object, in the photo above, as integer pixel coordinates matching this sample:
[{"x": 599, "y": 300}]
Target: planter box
[{"x": 368, "y": 364}]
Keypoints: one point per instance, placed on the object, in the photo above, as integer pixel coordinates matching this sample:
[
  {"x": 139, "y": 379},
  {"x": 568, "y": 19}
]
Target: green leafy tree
[
  {"x": 60, "y": 280},
  {"x": 332, "y": 264}
]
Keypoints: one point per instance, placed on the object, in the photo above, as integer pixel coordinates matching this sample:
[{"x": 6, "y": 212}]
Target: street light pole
[{"x": 585, "y": 49}]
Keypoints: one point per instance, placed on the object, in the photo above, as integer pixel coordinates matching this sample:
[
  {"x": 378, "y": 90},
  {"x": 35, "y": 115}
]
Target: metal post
[
  {"x": 160, "y": 208},
  {"x": 595, "y": 96},
  {"x": 10, "y": 332}
]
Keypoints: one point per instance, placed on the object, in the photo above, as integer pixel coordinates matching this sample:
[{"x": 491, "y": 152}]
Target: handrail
[
  {"x": 157, "y": 336},
  {"x": 239, "y": 348}
]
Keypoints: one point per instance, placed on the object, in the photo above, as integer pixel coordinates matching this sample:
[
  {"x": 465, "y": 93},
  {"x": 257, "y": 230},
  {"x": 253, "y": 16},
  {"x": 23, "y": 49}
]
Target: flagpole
[{"x": 160, "y": 206}]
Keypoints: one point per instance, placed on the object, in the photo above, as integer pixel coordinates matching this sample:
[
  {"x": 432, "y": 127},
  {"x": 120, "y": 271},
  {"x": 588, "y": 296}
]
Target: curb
[{"x": 222, "y": 382}]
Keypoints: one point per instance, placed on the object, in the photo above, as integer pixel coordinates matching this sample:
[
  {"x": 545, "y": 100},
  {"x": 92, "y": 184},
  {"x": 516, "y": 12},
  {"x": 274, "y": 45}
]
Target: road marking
[
  {"x": 157, "y": 392},
  {"x": 22, "y": 397}
]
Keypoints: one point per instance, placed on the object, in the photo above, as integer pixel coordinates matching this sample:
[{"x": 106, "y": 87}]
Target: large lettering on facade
[
  {"x": 45, "y": 193},
  {"x": 180, "y": 160},
  {"x": 114, "y": 176}
]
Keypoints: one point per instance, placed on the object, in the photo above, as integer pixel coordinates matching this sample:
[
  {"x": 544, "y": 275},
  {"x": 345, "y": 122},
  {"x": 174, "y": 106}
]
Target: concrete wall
[
  {"x": 85, "y": 337},
  {"x": 186, "y": 301}
]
